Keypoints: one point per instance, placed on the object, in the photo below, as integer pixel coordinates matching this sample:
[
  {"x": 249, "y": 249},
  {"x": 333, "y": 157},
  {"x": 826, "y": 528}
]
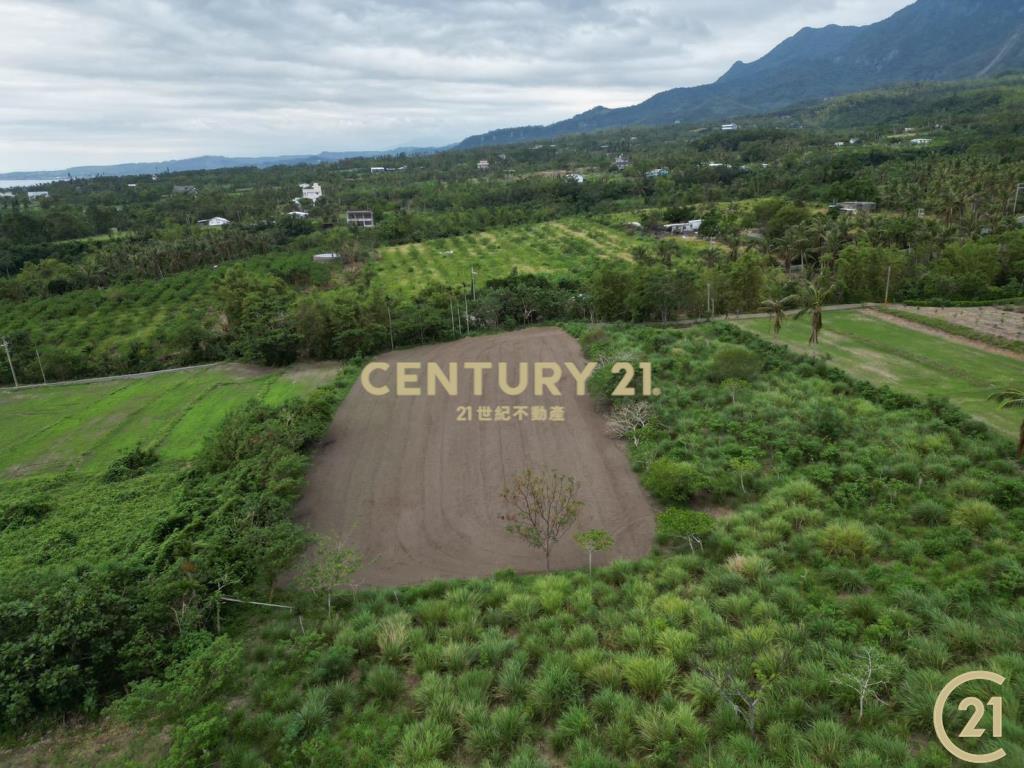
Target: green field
[
  {"x": 910, "y": 361},
  {"x": 86, "y": 426},
  {"x": 561, "y": 246},
  {"x": 58, "y": 441}
]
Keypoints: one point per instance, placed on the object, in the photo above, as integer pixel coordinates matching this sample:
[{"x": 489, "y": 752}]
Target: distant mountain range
[
  {"x": 931, "y": 40},
  {"x": 207, "y": 163}
]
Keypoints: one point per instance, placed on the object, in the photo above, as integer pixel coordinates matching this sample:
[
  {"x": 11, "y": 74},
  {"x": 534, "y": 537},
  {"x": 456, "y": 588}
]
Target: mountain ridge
[{"x": 927, "y": 41}]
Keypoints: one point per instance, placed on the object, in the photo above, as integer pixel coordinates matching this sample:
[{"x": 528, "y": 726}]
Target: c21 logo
[{"x": 990, "y": 712}]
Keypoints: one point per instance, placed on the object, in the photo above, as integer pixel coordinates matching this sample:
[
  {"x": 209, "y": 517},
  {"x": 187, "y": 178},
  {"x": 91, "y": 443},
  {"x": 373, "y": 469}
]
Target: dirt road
[{"x": 418, "y": 492}]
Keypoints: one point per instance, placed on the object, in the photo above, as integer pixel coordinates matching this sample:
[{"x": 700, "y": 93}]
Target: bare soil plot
[
  {"x": 941, "y": 334},
  {"x": 418, "y": 492},
  {"x": 995, "y": 321}
]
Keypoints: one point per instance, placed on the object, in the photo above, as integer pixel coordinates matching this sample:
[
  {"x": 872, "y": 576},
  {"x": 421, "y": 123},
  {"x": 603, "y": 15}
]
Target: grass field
[
  {"x": 908, "y": 360},
  {"x": 86, "y": 426},
  {"x": 556, "y": 246},
  {"x": 58, "y": 441}
]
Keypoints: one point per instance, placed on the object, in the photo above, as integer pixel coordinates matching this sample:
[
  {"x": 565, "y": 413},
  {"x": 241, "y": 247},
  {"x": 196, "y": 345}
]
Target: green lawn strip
[{"x": 909, "y": 360}]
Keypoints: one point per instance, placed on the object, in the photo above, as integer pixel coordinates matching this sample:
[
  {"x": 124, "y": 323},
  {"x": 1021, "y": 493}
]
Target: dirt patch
[
  {"x": 314, "y": 373},
  {"x": 418, "y": 492},
  {"x": 904, "y": 323}
]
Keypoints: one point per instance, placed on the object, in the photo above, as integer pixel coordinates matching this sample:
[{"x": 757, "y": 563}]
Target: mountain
[
  {"x": 931, "y": 40},
  {"x": 208, "y": 163}
]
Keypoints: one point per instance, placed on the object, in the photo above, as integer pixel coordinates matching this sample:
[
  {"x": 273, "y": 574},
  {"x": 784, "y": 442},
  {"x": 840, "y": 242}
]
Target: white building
[
  {"x": 653, "y": 174},
  {"x": 577, "y": 177},
  {"x": 298, "y": 214},
  {"x": 34, "y": 195},
  {"x": 325, "y": 256},
  {"x": 362, "y": 219},
  {"x": 216, "y": 221},
  {"x": 857, "y": 207},
  {"x": 622, "y": 162},
  {"x": 311, "y": 191},
  {"x": 921, "y": 142},
  {"x": 483, "y": 165},
  {"x": 691, "y": 227},
  {"x": 378, "y": 169},
  {"x": 730, "y": 127}
]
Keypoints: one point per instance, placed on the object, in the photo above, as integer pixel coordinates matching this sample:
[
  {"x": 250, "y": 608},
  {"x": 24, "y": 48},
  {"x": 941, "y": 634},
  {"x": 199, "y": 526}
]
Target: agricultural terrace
[
  {"x": 86, "y": 426},
  {"x": 1004, "y": 322},
  {"x": 909, "y": 360},
  {"x": 560, "y": 247},
  {"x": 60, "y": 507}
]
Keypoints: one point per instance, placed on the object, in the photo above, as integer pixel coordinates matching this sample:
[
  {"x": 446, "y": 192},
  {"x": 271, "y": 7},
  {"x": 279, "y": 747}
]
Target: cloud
[{"x": 97, "y": 81}]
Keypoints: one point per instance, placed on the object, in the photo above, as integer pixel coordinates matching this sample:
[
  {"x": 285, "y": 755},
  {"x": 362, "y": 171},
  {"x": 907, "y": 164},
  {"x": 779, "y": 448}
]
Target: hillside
[{"x": 931, "y": 40}]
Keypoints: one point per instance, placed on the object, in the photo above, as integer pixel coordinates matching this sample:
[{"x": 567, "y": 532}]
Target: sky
[{"x": 107, "y": 81}]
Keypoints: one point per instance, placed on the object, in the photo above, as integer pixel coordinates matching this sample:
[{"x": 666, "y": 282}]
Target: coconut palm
[
  {"x": 776, "y": 309},
  {"x": 1012, "y": 398},
  {"x": 814, "y": 298}
]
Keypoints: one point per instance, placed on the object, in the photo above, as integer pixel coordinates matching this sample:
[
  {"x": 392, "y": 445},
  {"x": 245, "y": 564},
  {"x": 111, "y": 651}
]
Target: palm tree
[
  {"x": 776, "y": 309},
  {"x": 815, "y": 296},
  {"x": 1012, "y": 398}
]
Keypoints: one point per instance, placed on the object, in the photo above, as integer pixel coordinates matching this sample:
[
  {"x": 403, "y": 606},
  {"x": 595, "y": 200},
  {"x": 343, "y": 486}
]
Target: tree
[
  {"x": 744, "y": 466},
  {"x": 594, "y": 540},
  {"x": 676, "y": 525},
  {"x": 814, "y": 298},
  {"x": 629, "y": 418},
  {"x": 776, "y": 309},
  {"x": 864, "y": 679},
  {"x": 1012, "y": 398},
  {"x": 331, "y": 568},
  {"x": 544, "y": 505}
]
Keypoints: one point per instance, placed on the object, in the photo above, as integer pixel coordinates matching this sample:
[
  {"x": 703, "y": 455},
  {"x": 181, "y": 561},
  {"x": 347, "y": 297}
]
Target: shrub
[
  {"x": 666, "y": 736},
  {"x": 497, "y": 733},
  {"x": 384, "y": 682},
  {"x": 393, "y": 637},
  {"x": 555, "y": 687},
  {"x": 974, "y": 515},
  {"x": 677, "y": 526},
  {"x": 733, "y": 361},
  {"x": 649, "y": 676},
  {"x": 132, "y": 464},
  {"x": 672, "y": 482},
  {"x": 424, "y": 741},
  {"x": 846, "y": 538}
]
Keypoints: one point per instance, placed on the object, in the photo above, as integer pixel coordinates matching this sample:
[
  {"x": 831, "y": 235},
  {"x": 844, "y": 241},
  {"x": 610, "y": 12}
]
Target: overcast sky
[{"x": 105, "y": 81}]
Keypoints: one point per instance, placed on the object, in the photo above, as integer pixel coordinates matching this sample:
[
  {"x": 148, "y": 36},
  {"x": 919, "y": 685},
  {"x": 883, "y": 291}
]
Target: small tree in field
[
  {"x": 629, "y": 418},
  {"x": 676, "y": 525},
  {"x": 331, "y": 569},
  {"x": 594, "y": 540},
  {"x": 544, "y": 506}
]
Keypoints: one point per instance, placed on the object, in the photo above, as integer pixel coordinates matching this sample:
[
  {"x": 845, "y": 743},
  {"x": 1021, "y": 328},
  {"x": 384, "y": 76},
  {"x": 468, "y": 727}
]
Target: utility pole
[
  {"x": 7, "y": 349},
  {"x": 472, "y": 280},
  {"x": 451, "y": 309},
  {"x": 711, "y": 312},
  {"x": 888, "y": 280},
  {"x": 1016, "y": 198},
  {"x": 467, "y": 313},
  {"x": 391, "y": 331},
  {"x": 40, "y": 361}
]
